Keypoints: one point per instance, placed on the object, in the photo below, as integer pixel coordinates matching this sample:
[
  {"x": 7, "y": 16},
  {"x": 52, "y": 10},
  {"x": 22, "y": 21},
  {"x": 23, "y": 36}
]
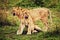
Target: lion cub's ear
[
  {"x": 20, "y": 8},
  {"x": 14, "y": 7},
  {"x": 17, "y": 8}
]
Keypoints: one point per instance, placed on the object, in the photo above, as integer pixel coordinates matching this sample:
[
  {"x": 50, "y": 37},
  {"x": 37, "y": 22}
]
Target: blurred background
[{"x": 9, "y": 24}]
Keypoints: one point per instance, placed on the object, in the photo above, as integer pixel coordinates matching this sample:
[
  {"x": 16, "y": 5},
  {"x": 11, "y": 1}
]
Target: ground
[{"x": 9, "y": 33}]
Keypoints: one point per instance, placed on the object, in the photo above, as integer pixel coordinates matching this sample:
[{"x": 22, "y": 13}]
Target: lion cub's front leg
[
  {"x": 29, "y": 29},
  {"x": 20, "y": 29}
]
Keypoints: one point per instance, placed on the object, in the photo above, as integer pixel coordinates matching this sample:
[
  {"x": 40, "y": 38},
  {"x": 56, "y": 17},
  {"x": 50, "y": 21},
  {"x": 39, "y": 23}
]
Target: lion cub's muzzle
[{"x": 26, "y": 17}]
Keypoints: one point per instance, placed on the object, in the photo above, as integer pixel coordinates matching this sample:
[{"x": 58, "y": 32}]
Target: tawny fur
[{"x": 34, "y": 14}]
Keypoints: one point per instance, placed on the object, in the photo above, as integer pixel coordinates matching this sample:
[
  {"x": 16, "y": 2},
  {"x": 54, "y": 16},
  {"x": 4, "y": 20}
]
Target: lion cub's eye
[{"x": 13, "y": 14}]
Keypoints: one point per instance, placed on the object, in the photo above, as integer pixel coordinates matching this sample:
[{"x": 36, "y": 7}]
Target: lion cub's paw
[
  {"x": 28, "y": 33},
  {"x": 34, "y": 31},
  {"x": 18, "y": 32}
]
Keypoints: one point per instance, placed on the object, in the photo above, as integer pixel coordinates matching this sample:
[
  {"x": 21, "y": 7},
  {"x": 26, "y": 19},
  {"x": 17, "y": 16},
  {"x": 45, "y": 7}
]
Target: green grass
[{"x": 9, "y": 33}]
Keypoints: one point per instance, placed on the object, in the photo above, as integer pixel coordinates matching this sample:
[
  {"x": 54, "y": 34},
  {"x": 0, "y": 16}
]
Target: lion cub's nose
[{"x": 26, "y": 17}]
